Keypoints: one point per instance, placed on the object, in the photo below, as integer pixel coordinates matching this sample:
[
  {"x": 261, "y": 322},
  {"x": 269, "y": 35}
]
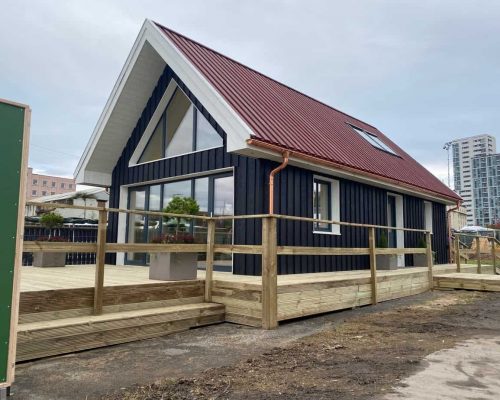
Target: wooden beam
[
  {"x": 100, "y": 258},
  {"x": 210, "y": 261},
  {"x": 373, "y": 264},
  {"x": 494, "y": 254},
  {"x": 238, "y": 248},
  {"x": 58, "y": 247},
  {"x": 457, "y": 254},
  {"x": 407, "y": 250},
  {"x": 478, "y": 255},
  {"x": 429, "y": 258},
  {"x": 155, "y": 248},
  {"x": 325, "y": 251},
  {"x": 269, "y": 274}
]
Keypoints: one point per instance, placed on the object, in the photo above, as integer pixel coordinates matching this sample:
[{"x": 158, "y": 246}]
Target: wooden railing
[
  {"x": 268, "y": 249},
  {"x": 461, "y": 248}
]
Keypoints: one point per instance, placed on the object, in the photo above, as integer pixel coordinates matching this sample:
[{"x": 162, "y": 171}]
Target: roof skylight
[{"x": 374, "y": 140}]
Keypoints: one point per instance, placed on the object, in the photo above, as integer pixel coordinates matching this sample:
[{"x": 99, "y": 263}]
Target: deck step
[{"x": 67, "y": 335}]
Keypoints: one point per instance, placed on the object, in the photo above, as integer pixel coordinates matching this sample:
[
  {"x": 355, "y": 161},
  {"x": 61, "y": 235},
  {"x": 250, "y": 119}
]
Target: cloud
[{"x": 424, "y": 72}]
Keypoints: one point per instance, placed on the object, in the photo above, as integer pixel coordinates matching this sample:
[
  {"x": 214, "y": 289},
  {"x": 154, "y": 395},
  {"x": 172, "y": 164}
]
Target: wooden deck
[
  {"x": 483, "y": 282},
  {"x": 56, "y": 304}
]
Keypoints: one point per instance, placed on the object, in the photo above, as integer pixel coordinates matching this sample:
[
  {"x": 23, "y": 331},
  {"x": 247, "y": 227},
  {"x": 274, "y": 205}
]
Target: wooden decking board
[{"x": 482, "y": 282}]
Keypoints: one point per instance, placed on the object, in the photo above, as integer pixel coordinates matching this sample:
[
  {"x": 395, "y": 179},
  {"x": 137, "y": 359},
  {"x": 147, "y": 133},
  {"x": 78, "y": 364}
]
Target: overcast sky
[{"x": 423, "y": 72}]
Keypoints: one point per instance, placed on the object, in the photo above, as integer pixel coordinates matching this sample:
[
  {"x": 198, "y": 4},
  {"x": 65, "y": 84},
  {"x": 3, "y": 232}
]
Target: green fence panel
[{"x": 11, "y": 158}]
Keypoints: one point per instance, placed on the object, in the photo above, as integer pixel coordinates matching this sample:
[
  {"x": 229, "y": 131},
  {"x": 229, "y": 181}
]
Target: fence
[
  {"x": 73, "y": 234},
  {"x": 462, "y": 249},
  {"x": 269, "y": 250}
]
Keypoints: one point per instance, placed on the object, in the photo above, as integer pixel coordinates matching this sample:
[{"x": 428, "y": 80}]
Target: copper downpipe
[{"x": 283, "y": 164}]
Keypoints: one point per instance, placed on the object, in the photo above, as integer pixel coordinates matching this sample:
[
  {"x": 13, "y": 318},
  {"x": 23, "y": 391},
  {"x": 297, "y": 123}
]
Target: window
[
  {"x": 44, "y": 183},
  {"x": 373, "y": 140},
  {"x": 35, "y": 182},
  {"x": 52, "y": 193},
  {"x": 44, "y": 193},
  {"x": 326, "y": 204},
  {"x": 181, "y": 129},
  {"x": 62, "y": 185},
  {"x": 214, "y": 194},
  {"x": 428, "y": 216},
  {"x": 53, "y": 184},
  {"x": 70, "y": 186},
  {"x": 33, "y": 192}
]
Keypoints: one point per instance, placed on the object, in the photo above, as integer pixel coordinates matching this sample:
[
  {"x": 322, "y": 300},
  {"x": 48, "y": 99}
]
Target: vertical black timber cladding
[
  {"x": 413, "y": 209},
  {"x": 440, "y": 233}
]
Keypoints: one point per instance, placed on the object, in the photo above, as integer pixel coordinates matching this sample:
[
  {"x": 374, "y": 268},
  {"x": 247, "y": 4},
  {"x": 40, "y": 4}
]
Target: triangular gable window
[{"x": 182, "y": 129}]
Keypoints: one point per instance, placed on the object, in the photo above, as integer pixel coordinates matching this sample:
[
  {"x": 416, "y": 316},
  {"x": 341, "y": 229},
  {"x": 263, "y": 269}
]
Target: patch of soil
[{"x": 358, "y": 359}]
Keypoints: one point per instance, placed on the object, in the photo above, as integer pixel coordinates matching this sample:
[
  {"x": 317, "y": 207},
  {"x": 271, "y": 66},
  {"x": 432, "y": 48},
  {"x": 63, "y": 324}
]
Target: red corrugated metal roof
[{"x": 280, "y": 115}]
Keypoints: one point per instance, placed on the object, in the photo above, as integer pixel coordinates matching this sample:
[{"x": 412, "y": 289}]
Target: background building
[
  {"x": 486, "y": 178},
  {"x": 86, "y": 197},
  {"x": 46, "y": 185},
  {"x": 463, "y": 150},
  {"x": 458, "y": 218}
]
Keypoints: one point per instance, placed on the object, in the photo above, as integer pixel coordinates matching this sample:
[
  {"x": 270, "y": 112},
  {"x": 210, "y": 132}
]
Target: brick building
[{"x": 46, "y": 185}]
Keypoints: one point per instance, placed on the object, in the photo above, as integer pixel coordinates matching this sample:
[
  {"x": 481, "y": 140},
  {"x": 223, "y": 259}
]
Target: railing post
[
  {"x": 457, "y": 253},
  {"x": 430, "y": 261},
  {"x": 478, "y": 255},
  {"x": 494, "y": 255},
  {"x": 100, "y": 257},
  {"x": 269, "y": 274},
  {"x": 373, "y": 264},
  {"x": 209, "y": 271}
]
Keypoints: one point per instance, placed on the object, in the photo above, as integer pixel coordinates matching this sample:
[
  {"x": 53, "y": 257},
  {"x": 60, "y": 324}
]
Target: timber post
[
  {"x": 457, "y": 253},
  {"x": 478, "y": 255},
  {"x": 430, "y": 261},
  {"x": 494, "y": 254},
  {"x": 269, "y": 274},
  {"x": 373, "y": 264},
  {"x": 209, "y": 271},
  {"x": 100, "y": 257}
]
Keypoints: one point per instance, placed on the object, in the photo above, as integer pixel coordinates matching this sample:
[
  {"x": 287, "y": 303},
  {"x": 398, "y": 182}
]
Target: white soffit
[{"x": 151, "y": 52}]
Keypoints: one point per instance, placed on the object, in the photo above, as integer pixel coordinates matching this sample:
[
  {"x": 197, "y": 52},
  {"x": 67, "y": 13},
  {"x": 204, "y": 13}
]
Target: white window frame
[
  {"x": 153, "y": 123},
  {"x": 428, "y": 216},
  {"x": 334, "y": 205}
]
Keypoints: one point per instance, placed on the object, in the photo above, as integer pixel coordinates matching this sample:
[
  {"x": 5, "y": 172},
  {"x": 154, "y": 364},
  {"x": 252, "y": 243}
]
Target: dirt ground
[{"x": 364, "y": 357}]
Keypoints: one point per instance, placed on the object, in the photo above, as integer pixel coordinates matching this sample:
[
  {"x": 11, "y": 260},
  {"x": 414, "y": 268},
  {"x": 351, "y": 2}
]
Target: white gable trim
[{"x": 94, "y": 171}]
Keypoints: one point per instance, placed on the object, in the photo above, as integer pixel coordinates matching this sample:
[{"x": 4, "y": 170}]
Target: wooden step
[{"x": 48, "y": 338}]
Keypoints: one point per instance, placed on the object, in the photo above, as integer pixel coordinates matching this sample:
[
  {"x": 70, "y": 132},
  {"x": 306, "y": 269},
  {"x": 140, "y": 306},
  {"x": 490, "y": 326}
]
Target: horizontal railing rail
[{"x": 269, "y": 249}]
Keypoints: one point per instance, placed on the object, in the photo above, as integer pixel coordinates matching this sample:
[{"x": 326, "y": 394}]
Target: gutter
[
  {"x": 283, "y": 164},
  {"x": 332, "y": 164}
]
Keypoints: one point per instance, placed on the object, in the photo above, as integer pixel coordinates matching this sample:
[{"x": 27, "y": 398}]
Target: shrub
[{"x": 383, "y": 243}]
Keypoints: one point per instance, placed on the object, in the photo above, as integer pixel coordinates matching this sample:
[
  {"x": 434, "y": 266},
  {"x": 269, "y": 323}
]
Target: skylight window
[{"x": 374, "y": 140}]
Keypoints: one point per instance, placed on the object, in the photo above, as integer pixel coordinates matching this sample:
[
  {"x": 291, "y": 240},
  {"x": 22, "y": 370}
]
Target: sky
[{"x": 423, "y": 72}]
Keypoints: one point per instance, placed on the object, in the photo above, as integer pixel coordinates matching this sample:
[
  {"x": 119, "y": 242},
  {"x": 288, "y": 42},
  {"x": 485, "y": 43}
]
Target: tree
[
  {"x": 182, "y": 205},
  {"x": 51, "y": 220}
]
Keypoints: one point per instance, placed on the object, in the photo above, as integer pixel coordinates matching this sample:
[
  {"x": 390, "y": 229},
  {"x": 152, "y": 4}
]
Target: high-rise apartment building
[
  {"x": 463, "y": 151},
  {"x": 486, "y": 186},
  {"x": 46, "y": 185}
]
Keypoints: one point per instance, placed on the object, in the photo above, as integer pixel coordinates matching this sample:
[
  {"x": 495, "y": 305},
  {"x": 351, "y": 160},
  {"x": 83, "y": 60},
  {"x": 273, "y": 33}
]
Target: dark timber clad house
[{"x": 183, "y": 119}]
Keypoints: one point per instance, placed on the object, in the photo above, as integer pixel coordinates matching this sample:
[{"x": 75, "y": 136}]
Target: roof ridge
[{"x": 262, "y": 74}]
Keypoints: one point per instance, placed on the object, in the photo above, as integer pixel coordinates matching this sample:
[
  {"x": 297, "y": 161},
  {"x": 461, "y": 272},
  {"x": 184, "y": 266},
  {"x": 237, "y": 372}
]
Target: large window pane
[
  {"x": 179, "y": 125},
  {"x": 182, "y": 189},
  {"x": 136, "y": 224},
  {"x": 224, "y": 205},
  {"x": 154, "y": 198},
  {"x": 154, "y": 148},
  {"x": 206, "y": 135},
  {"x": 322, "y": 204}
]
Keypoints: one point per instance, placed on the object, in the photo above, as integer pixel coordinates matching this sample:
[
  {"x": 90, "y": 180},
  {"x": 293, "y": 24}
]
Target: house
[
  {"x": 86, "y": 197},
  {"x": 183, "y": 119}
]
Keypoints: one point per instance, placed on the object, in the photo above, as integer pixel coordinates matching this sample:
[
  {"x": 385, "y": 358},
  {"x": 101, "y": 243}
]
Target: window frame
[
  {"x": 334, "y": 204},
  {"x": 428, "y": 216},
  {"x": 156, "y": 118},
  {"x": 375, "y": 141}
]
